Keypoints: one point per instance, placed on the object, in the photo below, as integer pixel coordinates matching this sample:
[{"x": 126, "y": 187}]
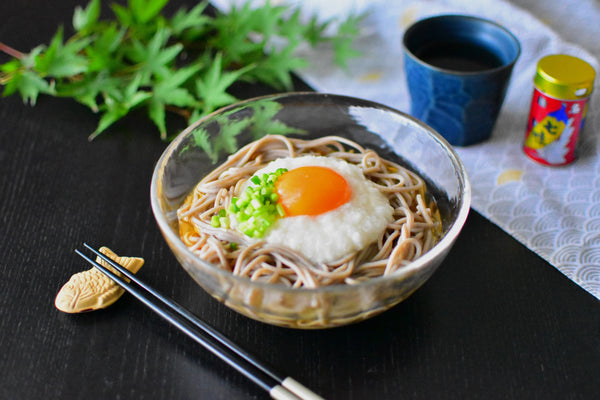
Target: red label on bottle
[{"x": 553, "y": 128}]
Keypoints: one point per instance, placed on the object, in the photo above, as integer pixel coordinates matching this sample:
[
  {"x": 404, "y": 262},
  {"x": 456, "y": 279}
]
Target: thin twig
[
  {"x": 10, "y": 51},
  {"x": 179, "y": 111}
]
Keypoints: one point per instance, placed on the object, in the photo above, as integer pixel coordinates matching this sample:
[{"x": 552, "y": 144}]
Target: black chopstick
[{"x": 278, "y": 387}]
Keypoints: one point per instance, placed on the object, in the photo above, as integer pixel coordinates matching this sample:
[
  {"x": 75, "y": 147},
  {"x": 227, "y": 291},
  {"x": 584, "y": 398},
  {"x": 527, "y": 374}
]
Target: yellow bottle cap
[{"x": 564, "y": 77}]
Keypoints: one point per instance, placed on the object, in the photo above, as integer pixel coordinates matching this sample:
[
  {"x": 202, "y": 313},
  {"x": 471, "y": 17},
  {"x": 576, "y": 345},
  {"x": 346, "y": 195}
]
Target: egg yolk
[{"x": 311, "y": 190}]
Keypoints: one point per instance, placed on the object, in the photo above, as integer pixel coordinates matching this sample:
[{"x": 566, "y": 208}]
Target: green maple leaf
[
  {"x": 267, "y": 19},
  {"x": 212, "y": 86},
  {"x": 30, "y": 85},
  {"x": 123, "y": 14},
  {"x": 233, "y": 36},
  {"x": 192, "y": 20},
  {"x": 314, "y": 31},
  {"x": 90, "y": 88},
  {"x": 117, "y": 105},
  {"x": 102, "y": 53},
  {"x": 85, "y": 19},
  {"x": 141, "y": 17},
  {"x": 167, "y": 87},
  {"x": 342, "y": 42},
  {"x": 168, "y": 91},
  {"x": 62, "y": 60},
  {"x": 146, "y": 10},
  {"x": 276, "y": 68},
  {"x": 292, "y": 29},
  {"x": 155, "y": 57}
]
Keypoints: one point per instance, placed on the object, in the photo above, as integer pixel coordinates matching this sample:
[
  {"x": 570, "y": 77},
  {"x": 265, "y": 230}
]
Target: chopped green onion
[
  {"x": 255, "y": 210},
  {"x": 280, "y": 210},
  {"x": 256, "y": 204},
  {"x": 224, "y": 222}
]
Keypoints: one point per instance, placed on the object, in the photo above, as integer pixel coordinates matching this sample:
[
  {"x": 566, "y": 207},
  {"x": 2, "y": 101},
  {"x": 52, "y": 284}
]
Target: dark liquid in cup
[{"x": 461, "y": 57}]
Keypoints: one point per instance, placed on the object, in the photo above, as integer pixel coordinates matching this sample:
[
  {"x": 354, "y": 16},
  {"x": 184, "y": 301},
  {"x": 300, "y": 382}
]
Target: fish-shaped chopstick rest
[{"x": 92, "y": 290}]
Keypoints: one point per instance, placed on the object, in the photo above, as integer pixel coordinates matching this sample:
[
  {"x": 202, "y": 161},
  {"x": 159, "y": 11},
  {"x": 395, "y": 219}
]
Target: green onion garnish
[{"x": 255, "y": 210}]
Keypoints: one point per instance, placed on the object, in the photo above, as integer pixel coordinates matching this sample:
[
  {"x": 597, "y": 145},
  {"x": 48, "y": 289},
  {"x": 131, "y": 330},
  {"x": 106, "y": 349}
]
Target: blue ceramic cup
[{"x": 457, "y": 69}]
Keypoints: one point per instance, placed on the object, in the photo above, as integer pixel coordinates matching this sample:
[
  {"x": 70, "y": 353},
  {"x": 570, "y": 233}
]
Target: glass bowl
[{"x": 393, "y": 134}]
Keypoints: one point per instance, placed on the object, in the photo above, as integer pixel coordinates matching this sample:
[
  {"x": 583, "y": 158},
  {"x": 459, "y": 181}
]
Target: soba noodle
[{"x": 415, "y": 229}]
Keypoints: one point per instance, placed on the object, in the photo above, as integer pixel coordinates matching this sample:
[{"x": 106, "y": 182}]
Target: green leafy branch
[{"x": 185, "y": 64}]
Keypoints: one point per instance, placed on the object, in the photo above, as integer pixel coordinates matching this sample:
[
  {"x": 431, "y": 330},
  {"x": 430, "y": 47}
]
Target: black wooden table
[{"x": 494, "y": 322}]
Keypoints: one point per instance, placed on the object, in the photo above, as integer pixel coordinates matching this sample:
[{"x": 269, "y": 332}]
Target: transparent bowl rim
[{"x": 441, "y": 247}]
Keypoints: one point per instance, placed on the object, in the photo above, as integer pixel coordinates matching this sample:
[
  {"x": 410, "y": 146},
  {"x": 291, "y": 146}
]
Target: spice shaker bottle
[{"x": 562, "y": 87}]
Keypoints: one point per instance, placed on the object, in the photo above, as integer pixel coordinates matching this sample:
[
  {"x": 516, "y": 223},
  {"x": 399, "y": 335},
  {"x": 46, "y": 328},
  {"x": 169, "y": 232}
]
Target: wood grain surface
[{"x": 494, "y": 322}]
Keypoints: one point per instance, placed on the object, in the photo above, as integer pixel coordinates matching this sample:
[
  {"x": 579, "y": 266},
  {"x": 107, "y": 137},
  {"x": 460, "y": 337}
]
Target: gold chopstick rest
[{"x": 92, "y": 290}]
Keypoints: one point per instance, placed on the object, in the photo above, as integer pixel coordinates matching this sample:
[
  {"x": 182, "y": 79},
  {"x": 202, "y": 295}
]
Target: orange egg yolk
[{"x": 311, "y": 190}]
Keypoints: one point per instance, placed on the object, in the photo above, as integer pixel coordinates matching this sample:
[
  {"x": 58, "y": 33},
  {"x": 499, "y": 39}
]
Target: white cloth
[{"x": 553, "y": 211}]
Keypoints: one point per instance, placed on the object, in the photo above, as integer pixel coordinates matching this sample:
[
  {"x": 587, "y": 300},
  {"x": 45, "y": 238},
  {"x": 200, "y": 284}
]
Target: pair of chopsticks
[{"x": 278, "y": 386}]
